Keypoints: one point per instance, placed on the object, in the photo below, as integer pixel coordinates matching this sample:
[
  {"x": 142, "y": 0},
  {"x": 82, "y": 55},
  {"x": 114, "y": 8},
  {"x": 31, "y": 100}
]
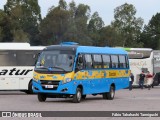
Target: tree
[
  {"x": 81, "y": 18},
  {"x": 54, "y": 25},
  {"x": 151, "y": 33},
  {"x": 62, "y": 5},
  {"x": 62, "y": 24},
  {"x": 25, "y": 16},
  {"x": 95, "y": 24},
  {"x": 128, "y": 25},
  {"x": 5, "y": 28},
  {"x": 109, "y": 37}
]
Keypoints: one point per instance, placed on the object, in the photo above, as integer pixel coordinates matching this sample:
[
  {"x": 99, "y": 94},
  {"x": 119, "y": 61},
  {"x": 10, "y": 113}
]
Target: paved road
[{"x": 125, "y": 100}]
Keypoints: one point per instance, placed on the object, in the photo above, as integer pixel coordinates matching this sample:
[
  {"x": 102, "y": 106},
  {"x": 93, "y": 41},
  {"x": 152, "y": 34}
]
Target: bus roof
[
  {"x": 87, "y": 49},
  {"x": 19, "y": 46},
  {"x": 138, "y": 49},
  {"x": 36, "y": 48},
  {"x": 103, "y": 50}
]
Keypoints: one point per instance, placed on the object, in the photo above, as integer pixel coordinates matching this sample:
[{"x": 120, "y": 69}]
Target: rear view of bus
[
  {"x": 141, "y": 59},
  {"x": 72, "y": 71}
]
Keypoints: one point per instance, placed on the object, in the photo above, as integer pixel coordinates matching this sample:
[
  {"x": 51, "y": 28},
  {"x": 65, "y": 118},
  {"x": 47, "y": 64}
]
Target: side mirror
[
  {"x": 79, "y": 64},
  {"x": 80, "y": 60}
]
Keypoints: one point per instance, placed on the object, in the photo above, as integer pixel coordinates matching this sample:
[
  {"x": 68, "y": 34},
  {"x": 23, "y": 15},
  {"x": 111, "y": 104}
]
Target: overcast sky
[{"x": 145, "y": 8}]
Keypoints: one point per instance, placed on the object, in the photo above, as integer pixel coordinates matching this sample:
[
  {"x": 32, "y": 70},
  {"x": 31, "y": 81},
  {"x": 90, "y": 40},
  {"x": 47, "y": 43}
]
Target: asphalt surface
[{"x": 125, "y": 100}]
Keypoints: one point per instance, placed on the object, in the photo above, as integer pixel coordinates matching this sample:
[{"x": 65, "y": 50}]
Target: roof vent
[{"x": 69, "y": 43}]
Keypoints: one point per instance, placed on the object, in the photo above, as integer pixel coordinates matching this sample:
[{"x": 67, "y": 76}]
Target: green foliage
[
  {"x": 62, "y": 4},
  {"x": 54, "y": 25},
  {"x": 20, "y": 36},
  {"x": 127, "y": 25},
  {"x": 5, "y": 28},
  {"x": 25, "y": 16},
  {"x": 62, "y": 24},
  {"x": 21, "y": 22},
  {"x": 110, "y": 37},
  {"x": 95, "y": 25},
  {"x": 151, "y": 33}
]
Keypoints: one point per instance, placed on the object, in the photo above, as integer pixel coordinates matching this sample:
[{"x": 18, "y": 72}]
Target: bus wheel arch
[
  {"x": 78, "y": 95},
  {"x": 83, "y": 95},
  {"x": 110, "y": 95}
]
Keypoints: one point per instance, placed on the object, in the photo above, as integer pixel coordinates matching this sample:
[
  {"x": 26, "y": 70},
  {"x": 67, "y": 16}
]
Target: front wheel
[
  {"x": 41, "y": 97},
  {"x": 109, "y": 95},
  {"x": 78, "y": 96}
]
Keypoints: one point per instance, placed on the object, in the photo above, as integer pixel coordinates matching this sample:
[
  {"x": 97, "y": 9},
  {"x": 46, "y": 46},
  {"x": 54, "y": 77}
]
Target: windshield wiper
[
  {"x": 50, "y": 68},
  {"x": 42, "y": 68}
]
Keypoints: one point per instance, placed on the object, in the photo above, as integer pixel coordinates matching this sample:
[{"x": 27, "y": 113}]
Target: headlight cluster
[{"x": 66, "y": 80}]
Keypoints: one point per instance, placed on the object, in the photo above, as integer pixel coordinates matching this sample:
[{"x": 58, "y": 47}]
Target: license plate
[{"x": 49, "y": 86}]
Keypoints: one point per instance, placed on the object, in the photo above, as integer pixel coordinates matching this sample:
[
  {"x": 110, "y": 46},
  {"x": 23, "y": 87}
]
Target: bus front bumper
[{"x": 67, "y": 88}]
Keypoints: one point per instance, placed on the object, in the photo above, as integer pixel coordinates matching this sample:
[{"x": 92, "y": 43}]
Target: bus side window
[
  {"x": 88, "y": 61},
  {"x": 114, "y": 59},
  {"x": 106, "y": 61},
  {"x": 122, "y": 61},
  {"x": 97, "y": 61},
  {"x": 8, "y": 58}
]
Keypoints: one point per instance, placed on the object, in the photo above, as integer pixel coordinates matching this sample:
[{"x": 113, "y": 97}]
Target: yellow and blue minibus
[{"x": 71, "y": 70}]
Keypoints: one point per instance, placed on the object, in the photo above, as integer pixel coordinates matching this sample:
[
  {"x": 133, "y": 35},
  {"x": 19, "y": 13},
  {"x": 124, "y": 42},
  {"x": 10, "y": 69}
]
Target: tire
[
  {"x": 41, "y": 97},
  {"x": 104, "y": 95},
  {"x": 109, "y": 95},
  {"x": 83, "y": 96},
  {"x": 78, "y": 96},
  {"x": 29, "y": 91}
]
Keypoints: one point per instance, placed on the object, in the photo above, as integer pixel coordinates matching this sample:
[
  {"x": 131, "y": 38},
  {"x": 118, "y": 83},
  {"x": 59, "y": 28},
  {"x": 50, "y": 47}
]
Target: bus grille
[{"x": 44, "y": 83}]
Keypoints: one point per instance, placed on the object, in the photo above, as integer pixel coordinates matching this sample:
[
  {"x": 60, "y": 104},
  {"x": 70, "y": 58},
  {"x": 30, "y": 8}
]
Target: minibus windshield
[{"x": 55, "y": 60}]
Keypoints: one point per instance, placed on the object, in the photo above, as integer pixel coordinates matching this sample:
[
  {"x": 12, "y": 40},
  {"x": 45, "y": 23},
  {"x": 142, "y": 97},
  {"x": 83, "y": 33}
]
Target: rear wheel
[
  {"x": 30, "y": 88},
  {"x": 78, "y": 96},
  {"x": 109, "y": 95},
  {"x": 41, "y": 97},
  {"x": 29, "y": 91},
  {"x": 83, "y": 96}
]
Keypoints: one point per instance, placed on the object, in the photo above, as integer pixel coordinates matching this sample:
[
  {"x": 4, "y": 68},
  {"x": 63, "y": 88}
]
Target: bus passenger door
[{"x": 81, "y": 73}]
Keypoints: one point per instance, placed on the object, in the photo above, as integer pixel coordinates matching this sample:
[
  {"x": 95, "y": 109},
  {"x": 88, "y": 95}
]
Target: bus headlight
[{"x": 66, "y": 80}]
